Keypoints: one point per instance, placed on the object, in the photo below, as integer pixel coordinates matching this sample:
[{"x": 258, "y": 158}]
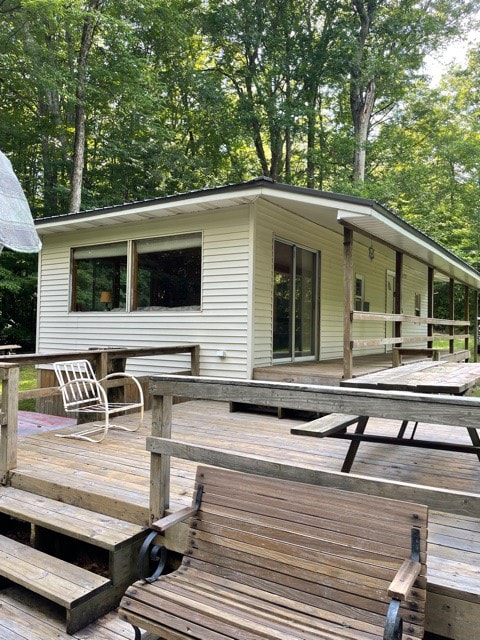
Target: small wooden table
[
  {"x": 456, "y": 378},
  {"x": 9, "y": 348}
]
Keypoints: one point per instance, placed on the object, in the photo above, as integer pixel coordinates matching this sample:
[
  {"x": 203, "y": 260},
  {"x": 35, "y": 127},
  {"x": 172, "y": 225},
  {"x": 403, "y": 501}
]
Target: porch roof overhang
[{"x": 331, "y": 210}]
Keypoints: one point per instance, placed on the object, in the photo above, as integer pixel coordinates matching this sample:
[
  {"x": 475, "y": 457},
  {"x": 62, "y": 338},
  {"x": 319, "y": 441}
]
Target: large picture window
[
  {"x": 100, "y": 277},
  {"x": 151, "y": 274},
  {"x": 168, "y": 273}
]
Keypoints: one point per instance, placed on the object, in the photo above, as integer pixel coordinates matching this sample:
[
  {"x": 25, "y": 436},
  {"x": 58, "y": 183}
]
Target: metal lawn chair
[{"x": 83, "y": 393}]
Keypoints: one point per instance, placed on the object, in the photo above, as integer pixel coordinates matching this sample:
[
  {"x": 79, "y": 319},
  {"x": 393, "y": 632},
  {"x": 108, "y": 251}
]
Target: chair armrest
[
  {"x": 403, "y": 581},
  {"x": 172, "y": 519},
  {"x": 128, "y": 376}
]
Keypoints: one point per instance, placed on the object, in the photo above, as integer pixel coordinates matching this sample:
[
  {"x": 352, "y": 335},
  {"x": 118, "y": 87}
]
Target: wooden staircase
[{"x": 78, "y": 559}]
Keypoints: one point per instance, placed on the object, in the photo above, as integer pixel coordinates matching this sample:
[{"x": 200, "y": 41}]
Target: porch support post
[
  {"x": 160, "y": 463},
  {"x": 475, "y": 326},
  {"x": 9, "y": 375},
  {"x": 431, "y": 291},
  {"x": 348, "y": 299},
  {"x": 466, "y": 311},
  {"x": 398, "y": 292},
  {"x": 452, "y": 312},
  {"x": 195, "y": 360}
]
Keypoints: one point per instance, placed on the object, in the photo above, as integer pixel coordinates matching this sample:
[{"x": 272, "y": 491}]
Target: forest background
[{"x": 110, "y": 101}]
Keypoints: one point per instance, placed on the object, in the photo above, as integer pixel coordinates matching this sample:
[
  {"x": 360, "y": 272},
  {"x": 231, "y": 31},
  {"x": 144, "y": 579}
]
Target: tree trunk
[
  {"x": 362, "y": 103},
  {"x": 362, "y": 88},
  {"x": 79, "y": 143}
]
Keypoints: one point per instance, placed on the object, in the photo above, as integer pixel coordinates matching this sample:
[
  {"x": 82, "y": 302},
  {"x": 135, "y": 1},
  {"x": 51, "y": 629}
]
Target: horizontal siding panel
[{"x": 221, "y": 325}]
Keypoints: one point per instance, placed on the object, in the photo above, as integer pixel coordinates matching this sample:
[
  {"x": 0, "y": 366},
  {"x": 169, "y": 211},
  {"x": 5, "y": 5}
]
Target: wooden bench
[
  {"x": 276, "y": 559},
  {"x": 325, "y": 426}
]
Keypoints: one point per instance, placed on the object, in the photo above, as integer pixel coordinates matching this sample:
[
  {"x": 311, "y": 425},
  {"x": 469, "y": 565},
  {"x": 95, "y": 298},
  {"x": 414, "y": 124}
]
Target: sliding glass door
[{"x": 294, "y": 296}]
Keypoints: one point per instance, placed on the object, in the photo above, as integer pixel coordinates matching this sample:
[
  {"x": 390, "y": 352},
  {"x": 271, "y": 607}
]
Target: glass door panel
[
  {"x": 282, "y": 300},
  {"x": 294, "y": 314},
  {"x": 305, "y": 287}
]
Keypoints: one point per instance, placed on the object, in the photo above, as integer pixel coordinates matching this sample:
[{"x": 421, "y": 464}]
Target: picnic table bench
[{"x": 274, "y": 559}]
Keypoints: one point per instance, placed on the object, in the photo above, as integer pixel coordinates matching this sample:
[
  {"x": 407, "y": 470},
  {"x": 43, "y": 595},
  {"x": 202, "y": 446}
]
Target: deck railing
[
  {"x": 101, "y": 358},
  {"x": 436, "y": 409},
  {"x": 399, "y": 339},
  {"x": 368, "y": 316}
]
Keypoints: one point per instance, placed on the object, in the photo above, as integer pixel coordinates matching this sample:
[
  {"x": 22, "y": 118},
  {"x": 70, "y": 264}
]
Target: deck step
[
  {"x": 101, "y": 498},
  {"x": 74, "y": 589},
  {"x": 81, "y": 524},
  {"x": 63, "y": 536}
]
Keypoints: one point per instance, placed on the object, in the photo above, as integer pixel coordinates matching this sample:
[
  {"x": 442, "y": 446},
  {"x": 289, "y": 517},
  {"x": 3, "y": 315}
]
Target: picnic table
[
  {"x": 422, "y": 377},
  {"x": 425, "y": 377}
]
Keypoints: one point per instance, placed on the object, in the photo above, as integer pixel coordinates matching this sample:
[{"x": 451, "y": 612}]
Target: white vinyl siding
[
  {"x": 220, "y": 325},
  {"x": 274, "y": 223}
]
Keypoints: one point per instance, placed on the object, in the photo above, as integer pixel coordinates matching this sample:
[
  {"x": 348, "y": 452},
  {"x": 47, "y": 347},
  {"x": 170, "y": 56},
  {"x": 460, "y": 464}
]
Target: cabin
[{"x": 260, "y": 274}]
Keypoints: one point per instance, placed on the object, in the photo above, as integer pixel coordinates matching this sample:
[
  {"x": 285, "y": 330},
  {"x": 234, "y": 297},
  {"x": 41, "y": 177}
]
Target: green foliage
[{"x": 18, "y": 293}]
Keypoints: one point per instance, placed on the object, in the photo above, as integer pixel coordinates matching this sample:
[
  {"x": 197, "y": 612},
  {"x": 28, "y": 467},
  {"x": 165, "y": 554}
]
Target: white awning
[{"x": 17, "y": 230}]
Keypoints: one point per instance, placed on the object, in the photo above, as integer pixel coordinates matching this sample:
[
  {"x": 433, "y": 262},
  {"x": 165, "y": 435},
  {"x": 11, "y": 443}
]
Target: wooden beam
[
  {"x": 160, "y": 464},
  {"x": 9, "y": 375},
  {"x": 430, "y": 305},
  {"x": 475, "y": 326},
  {"x": 466, "y": 310},
  {"x": 397, "y": 300},
  {"x": 463, "y": 503},
  {"x": 129, "y": 352},
  {"x": 455, "y": 411},
  {"x": 451, "y": 303},
  {"x": 348, "y": 302}
]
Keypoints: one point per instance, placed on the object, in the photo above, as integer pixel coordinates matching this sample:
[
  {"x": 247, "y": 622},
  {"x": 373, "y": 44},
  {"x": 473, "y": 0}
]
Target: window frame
[
  {"x": 359, "y": 299},
  {"x": 131, "y": 287}
]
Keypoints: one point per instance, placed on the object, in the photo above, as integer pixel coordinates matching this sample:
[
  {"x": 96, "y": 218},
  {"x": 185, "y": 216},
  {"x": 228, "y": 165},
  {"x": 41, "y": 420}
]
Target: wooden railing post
[
  {"x": 9, "y": 375},
  {"x": 160, "y": 463},
  {"x": 195, "y": 360},
  {"x": 347, "y": 302}
]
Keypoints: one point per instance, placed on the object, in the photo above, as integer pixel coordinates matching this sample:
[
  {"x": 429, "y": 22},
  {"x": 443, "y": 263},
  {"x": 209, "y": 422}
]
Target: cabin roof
[{"x": 364, "y": 215}]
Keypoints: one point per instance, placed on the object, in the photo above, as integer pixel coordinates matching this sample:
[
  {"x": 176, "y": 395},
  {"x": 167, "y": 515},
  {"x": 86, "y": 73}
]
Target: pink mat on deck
[{"x": 30, "y": 423}]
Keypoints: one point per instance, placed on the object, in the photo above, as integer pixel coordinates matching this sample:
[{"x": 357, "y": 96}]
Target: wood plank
[
  {"x": 436, "y": 498},
  {"x": 82, "y": 524},
  {"x": 255, "y": 535},
  {"x": 441, "y": 409},
  {"x": 325, "y": 426},
  {"x": 59, "y": 581}
]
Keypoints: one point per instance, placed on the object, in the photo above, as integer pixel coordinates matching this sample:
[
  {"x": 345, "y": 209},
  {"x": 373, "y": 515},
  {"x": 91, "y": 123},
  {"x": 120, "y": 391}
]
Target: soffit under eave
[
  {"x": 144, "y": 213},
  {"x": 422, "y": 248}
]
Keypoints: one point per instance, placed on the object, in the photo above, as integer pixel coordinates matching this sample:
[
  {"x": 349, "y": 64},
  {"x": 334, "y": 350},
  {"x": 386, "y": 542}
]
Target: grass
[{"x": 28, "y": 380}]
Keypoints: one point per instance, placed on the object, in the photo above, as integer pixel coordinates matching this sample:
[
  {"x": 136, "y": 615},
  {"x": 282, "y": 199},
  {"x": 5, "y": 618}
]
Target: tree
[
  {"x": 389, "y": 42},
  {"x": 90, "y": 22}
]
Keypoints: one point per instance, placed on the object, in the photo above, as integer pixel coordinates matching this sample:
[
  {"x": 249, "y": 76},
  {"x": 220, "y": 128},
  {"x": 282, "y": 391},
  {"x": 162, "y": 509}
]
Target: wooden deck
[
  {"x": 113, "y": 478},
  {"x": 115, "y": 475},
  {"x": 328, "y": 372}
]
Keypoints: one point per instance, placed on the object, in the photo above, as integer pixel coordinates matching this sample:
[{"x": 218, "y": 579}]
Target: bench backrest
[
  {"x": 316, "y": 546},
  {"x": 78, "y": 383}
]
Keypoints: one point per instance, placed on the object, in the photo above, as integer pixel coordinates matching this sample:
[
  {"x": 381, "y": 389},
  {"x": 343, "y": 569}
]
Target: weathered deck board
[{"x": 24, "y": 616}]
